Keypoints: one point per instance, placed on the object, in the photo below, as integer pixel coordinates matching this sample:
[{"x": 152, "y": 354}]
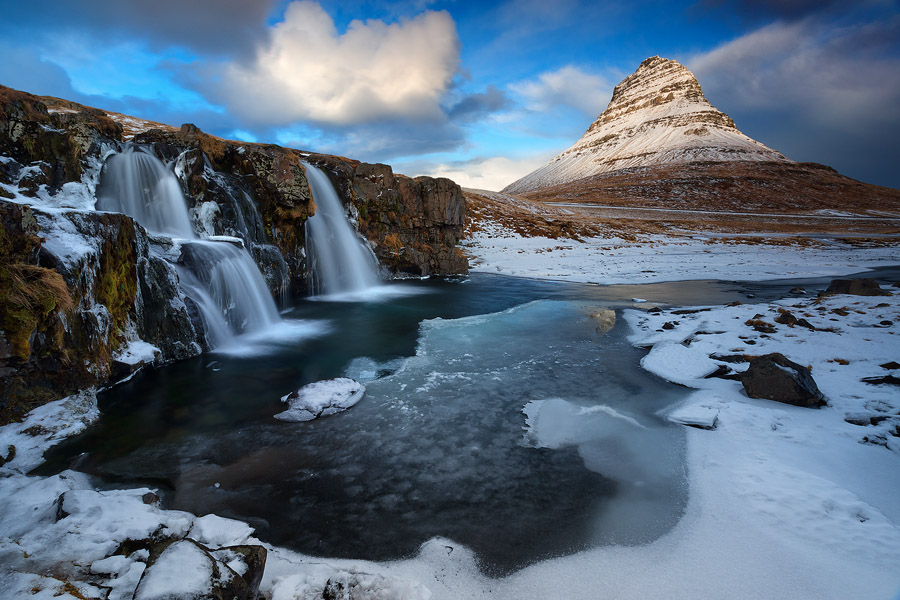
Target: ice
[
  {"x": 678, "y": 363},
  {"x": 216, "y": 531},
  {"x": 137, "y": 352},
  {"x": 321, "y": 399}
]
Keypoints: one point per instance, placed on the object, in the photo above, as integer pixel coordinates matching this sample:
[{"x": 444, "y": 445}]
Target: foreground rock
[
  {"x": 855, "y": 287},
  {"x": 774, "y": 377}
]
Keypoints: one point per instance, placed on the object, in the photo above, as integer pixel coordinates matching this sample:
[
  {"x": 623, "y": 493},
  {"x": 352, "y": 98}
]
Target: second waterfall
[{"x": 339, "y": 261}]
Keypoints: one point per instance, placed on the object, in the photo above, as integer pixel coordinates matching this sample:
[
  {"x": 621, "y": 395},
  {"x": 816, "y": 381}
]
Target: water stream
[
  {"x": 339, "y": 261},
  {"x": 219, "y": 276},
  {"x": 441, "y": 444}
]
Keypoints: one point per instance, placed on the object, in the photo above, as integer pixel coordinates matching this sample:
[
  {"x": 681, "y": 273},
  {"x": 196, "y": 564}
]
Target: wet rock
[
  {"x": 605, "y": 318},
  {"x": 855, "y": 287},
  {"x": 774, "y": 377},
  {"x": 798, "y": 290}
]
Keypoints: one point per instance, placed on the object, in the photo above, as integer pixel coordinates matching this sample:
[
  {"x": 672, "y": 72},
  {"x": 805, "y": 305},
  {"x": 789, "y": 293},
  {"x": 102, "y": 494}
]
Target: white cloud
[
  {"x": 483, "y": 173},
  {"x": 308, "y": 71},
  {"x": 568, "y": 86},
  {"x": 836, "y": 76}
]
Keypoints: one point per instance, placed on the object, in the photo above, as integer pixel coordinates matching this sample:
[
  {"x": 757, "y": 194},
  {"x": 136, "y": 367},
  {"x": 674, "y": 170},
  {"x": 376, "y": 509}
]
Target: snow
[
  {"x": 138, "y": 352},
  {"x": 182, "y": 570},
  {"x": 321, "y": 399},
  {"x": 677, "y": 363},
  {"x": 605, "y": 260},
  {"x": 636, "y": 130}
]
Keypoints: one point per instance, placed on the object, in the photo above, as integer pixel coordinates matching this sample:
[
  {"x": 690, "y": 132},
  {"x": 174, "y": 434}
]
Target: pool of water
[{"x": 441, "y": 444}]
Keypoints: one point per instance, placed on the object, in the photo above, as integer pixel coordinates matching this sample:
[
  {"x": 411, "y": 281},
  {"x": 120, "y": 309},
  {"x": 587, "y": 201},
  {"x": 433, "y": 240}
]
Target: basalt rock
[
  {"x": 774, "y": 377},
  {"x": 855, "y": 287},
  {"x": 412, "y": 224}
]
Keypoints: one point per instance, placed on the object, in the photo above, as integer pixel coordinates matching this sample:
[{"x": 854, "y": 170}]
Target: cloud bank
[{"x": 308, "y": 71}]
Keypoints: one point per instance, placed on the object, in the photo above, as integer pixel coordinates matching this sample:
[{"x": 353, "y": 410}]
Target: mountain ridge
[{"x": 657, "y": 116}]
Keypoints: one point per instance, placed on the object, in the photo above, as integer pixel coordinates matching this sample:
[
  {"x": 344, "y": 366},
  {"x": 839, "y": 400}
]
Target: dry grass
[{"x": 32, "y": 288}]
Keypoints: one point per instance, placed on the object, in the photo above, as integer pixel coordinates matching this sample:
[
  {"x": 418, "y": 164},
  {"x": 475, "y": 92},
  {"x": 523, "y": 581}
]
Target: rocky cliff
[
  {"x": 657, "y": 116},
  {"x": 86, "y": 297}
]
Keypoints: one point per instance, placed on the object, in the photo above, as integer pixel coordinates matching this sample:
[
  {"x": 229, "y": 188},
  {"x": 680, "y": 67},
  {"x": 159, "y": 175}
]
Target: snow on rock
[
  {"x": 183, "y": 570},
  {"x": 213, "y": 530},
  {"x": 657, "y": 115},
  {"x": 137, "y": 352},
  {"x": 321, "y": 399},
  {"x": 22, "y": 444}
]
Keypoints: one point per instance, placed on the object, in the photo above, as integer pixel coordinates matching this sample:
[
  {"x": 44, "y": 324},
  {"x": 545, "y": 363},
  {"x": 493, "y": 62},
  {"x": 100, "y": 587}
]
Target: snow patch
[{"x": 321, "y": 399}]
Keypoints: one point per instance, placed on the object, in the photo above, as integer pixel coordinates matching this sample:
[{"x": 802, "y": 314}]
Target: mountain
[{"x": 657, "y": 116}]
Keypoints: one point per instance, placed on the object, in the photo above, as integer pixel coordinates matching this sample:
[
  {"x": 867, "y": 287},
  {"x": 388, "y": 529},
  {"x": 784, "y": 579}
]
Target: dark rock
[
  {"x": 254, "y": 557},
  {"x": 11, "y": 454},
  {"x": 150, "y": 498},
  {"x": 735, "y": 303},
  {"x": 805, "y": 323},
  {"x": 888, "y": 379},
  {"x": 855, "y": 287},
  {"x": 840, "y": 311},
  {"x": 865, "y": 419},
  {"x": 891, "y": 365},
  {"x": 798, "y": 290},
  {"x": 723, "y": 372},
  {"x": 730, "y": 358},
  {"x": 760, "y": 325},
  {"x": 774, "y": 377},
  {"x": 669, "y": 325},
  {"x": 885, "y": 323},
  {"x": 786, "y": 318}
]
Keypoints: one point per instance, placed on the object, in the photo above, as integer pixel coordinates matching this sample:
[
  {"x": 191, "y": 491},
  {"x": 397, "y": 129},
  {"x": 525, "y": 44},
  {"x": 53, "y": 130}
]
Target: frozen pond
[{"x": 500, "y": 413}]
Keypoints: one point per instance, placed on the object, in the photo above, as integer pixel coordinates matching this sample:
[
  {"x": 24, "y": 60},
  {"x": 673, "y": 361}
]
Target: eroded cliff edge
[{"x": 86, "y": 297}]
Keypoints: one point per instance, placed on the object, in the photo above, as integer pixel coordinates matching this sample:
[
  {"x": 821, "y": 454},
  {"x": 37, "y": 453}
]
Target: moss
[
  {"x": 29, "y": 295},
  {"x": 117, "y": 278}
]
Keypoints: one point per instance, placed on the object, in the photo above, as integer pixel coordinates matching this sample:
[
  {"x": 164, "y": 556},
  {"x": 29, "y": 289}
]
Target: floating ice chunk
[
  {"x": 701, "y": 416},
  {"x": 678, "y": 364},
  {"x": 321, "y": 399}
]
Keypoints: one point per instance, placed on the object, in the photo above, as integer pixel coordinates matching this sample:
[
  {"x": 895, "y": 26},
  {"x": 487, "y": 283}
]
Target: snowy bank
[{"x": 611, "y": 260}]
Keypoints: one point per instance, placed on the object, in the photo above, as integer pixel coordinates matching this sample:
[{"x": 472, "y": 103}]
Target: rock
[
  {"x": 890, "y": 366},
  {"x": 855, "y": 287},
  {"x": 798, "y": 290},
  {"x": 888, "y": 379},
  {"x": 150, "y": 498},
  {"x": 786, "y": 318},
  {"x": 606, "y": 320},
  {"x": 187, "y": 570},
  {"x": 774, "y": 377}
]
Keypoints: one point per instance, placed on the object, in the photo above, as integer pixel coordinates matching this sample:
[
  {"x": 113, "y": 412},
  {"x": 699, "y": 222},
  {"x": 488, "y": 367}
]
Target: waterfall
[
  {"x": 339, "y": 261},
  {"x": 220, "y": 277},
  {"x": 140, "y": 185}
]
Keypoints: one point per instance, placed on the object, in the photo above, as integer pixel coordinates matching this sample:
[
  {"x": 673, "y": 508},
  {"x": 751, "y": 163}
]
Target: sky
[{"x": 481, "y": 92}]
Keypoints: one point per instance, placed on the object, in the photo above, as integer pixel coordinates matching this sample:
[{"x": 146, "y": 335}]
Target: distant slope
[{"x": 657, "y": 116}]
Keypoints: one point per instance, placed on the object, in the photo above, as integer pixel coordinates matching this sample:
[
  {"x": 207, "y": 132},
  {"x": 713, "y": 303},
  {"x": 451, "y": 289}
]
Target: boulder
[
  {"x": 855, "y": 287},
  {"x": 188, "y": 570},
  {"x": 774, "y": 377}
]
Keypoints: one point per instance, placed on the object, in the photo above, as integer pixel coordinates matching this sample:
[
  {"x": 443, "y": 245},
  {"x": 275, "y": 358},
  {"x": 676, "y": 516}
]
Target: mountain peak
[{"x": 657, "y": 115}]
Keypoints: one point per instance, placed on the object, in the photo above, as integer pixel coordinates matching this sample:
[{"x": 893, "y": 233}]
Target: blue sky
[{"x": 482, "y": 92}]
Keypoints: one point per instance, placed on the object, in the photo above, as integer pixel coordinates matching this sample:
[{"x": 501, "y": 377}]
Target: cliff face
[
  {"x": 87, "y": 297},
  {"x": 657, "y": 116}
]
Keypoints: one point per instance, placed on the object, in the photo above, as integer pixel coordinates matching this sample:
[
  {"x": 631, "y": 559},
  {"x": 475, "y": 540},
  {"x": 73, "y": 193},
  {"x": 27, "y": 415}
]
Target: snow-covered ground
[
  {"x": 784, "y": 502},
  {"x": 603, "y": 260}
]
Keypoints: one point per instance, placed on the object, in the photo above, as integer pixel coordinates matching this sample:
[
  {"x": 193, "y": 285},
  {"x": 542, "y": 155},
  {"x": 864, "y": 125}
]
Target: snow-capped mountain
[{"x": 657, "y": 116}]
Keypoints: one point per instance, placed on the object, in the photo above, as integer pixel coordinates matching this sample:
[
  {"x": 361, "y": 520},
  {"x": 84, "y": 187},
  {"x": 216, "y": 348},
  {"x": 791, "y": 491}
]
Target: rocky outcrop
[
  {"x": 855, "y": 287},
  {"x": 774, "y": 377},
  {"x": 412, "y": 224},
  {"x": 87, "y": 297},
  {"x": 658, "y": 115},
  {"x": 70, "y": 308}
]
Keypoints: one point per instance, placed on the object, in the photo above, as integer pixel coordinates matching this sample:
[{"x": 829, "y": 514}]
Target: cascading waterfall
[
  {"x": 339, "y": 261},
  {"x": 140, "y": 185},
  {"x": 220, "y": 277}
]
